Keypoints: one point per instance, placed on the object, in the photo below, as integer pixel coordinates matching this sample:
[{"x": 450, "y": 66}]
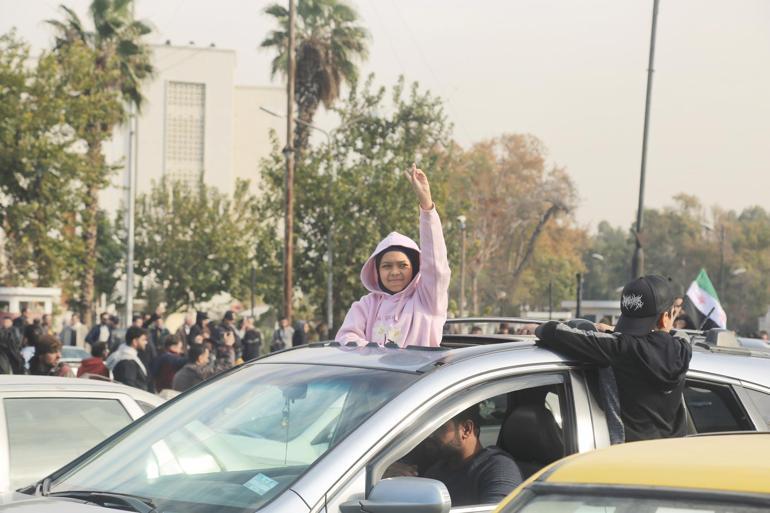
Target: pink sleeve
[
  {"x": 354, "y": 326},
  {"x": 434, "y": 265}
]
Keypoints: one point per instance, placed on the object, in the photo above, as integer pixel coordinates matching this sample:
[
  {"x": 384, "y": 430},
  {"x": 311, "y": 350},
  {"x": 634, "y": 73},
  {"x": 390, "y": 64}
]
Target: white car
[{"x": 45, "y": 422}]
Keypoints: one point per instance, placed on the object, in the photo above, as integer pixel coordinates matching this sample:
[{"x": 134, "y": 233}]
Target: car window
[
  {"x": 715, "y": 407},
  {"x": 46, "y": 433},
  {"x": 238, "y": 441},
  {"x": 146, "y": 407},
  {"x": 525, "y": 425},
  {"x": 761, "y": 402}
]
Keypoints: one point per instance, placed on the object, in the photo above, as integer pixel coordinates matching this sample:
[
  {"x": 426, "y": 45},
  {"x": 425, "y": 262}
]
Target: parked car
[
  {"x": 73, "y": 356},
  {"x": 46, "y": 422},
  {"x": 314, "y": 428},
  {"x": 703, "y": 474}
]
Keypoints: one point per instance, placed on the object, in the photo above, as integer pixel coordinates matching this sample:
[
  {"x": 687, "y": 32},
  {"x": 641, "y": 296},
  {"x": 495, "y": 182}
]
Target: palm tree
[
  {"x": 118, "y": 50},
  {"x": 328, "y": 42}
]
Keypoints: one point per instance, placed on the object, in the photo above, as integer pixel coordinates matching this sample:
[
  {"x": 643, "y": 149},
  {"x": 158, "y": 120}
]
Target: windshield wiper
[{"x": 111, "y": 500}]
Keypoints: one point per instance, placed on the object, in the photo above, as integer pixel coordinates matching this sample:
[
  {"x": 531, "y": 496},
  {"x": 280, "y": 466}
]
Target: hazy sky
[{"x": 571, "y": 72}]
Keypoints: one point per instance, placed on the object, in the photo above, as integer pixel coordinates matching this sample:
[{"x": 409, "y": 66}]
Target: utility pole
[
  {"x": 330, "y": 279},
  {"x": 461, "y": 219},
  {"x": 288, "y": 245},
  {"x": 550, "y": 300},
  {"x": 131, "y": 169},
  {"x": 721, "y": 257},
  {"x": 579, "y": 296},
  {"x": 637, "y": 262}
]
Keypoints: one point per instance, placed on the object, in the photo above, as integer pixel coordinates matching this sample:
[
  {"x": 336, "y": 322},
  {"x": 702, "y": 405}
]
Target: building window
[{"x": 184, "y": 134}]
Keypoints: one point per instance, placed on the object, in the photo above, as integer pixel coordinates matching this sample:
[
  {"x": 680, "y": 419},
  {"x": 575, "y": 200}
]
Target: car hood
[{"x": 14, "y": 502}]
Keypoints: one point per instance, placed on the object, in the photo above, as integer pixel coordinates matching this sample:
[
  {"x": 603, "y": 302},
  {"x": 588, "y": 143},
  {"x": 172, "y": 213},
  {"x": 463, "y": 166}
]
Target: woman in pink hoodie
[{"x": 408, "y": 284}]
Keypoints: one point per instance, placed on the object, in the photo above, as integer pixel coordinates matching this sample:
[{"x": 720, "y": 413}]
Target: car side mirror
[{"x": 403, "y": 495}]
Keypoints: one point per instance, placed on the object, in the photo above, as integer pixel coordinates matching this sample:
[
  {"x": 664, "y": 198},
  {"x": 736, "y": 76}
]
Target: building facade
[{"x": 196, "y": 123}]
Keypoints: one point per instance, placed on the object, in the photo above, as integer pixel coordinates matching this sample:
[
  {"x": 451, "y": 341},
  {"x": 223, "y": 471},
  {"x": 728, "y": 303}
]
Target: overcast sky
[{"x": 571, "y": 72}]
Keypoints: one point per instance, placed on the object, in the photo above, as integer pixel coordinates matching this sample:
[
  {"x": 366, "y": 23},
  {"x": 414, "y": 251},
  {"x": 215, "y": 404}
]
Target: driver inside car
[{"x": 453, "y": 454}]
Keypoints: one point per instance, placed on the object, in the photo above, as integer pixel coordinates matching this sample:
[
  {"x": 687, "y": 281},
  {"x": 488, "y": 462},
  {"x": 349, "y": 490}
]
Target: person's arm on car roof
[{"x": 587, "y": 346}]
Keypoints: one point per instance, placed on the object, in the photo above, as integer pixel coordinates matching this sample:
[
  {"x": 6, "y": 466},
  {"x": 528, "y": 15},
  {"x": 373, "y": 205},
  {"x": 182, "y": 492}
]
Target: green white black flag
[{"x": 703, "y": 297}]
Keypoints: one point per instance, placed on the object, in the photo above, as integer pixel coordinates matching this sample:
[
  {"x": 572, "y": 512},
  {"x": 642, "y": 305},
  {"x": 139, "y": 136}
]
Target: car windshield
[
  {"x": 239, "y": 441},
  {"x": 565, "y": 503}
]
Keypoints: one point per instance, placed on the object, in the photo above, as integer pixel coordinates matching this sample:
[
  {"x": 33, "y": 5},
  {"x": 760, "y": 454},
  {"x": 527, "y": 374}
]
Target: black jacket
[
  {"x": 649, "y": 370},
  {"x": 130, "y": 373},
  {"x": 11, "y": 360}
]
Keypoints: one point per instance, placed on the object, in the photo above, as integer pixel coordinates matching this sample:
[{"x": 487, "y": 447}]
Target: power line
[{"x": 429, "y": 67}]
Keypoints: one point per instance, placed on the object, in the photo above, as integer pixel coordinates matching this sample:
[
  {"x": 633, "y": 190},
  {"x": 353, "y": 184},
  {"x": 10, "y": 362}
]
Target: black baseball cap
[{"x": 642, "y": 302}]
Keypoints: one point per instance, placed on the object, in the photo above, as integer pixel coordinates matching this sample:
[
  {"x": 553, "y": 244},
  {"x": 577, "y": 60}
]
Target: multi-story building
[{"x": 197, "y": 123}]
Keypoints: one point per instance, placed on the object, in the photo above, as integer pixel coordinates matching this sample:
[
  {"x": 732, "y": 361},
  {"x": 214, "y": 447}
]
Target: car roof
[
  {"x": 410, "y": 359},
  {"x": 747, "y": 367},
  {"x": 51, "y": 383},
  {"x": 727, "y": 463}
]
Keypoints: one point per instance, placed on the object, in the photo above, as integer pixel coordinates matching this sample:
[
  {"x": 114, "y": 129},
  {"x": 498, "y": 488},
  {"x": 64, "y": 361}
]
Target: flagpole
[{"x": 708, "y": 316}]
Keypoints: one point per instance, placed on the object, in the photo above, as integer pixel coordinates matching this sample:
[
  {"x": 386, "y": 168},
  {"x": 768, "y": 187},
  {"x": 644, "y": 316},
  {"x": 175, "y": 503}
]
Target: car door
[
  {"x": 560, "y": 396},
  {"x": 45, "y": 430}
]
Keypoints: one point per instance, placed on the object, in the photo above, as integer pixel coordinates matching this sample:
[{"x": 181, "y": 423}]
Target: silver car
[
  {"x": 45, "y": 422},
  {"x": 313, "y": 429}
]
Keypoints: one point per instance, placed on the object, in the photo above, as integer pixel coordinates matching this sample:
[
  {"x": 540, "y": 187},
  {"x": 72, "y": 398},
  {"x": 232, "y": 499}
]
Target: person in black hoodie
[{"x": 649, "y": 363}]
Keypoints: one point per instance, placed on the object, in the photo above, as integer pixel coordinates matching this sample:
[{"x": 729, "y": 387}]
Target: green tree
[
  {"x": 609, "y": 270},
  {"x": 121, "y": 62},
  {"x": 110, "y": 251},
  {"x": 328, "y": 42},
  {"x": 38, "y": 167},
  {"x": 354, "y": 189},
  {"x": 196, "y": 242},
  {"x": 511, "y": 197}
]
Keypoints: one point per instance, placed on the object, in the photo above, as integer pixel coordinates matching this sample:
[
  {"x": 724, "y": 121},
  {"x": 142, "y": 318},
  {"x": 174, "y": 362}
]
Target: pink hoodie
[{"x": 416, "y": 315}]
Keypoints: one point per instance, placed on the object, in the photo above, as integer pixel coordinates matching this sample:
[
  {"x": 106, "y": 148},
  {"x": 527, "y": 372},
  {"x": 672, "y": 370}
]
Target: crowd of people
[{"x": 148, "y": 356}]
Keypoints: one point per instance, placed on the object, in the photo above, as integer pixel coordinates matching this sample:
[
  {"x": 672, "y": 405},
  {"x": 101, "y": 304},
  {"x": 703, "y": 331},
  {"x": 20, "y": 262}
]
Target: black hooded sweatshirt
[{"x": 649, "y": 369}]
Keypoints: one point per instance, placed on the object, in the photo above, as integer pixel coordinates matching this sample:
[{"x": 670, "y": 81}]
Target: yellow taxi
[{"x": 703, "y": 474}]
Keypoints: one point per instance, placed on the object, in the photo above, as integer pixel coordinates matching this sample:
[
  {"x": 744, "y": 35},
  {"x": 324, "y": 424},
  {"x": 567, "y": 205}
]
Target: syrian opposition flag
[{"x": 704, "y": 308}]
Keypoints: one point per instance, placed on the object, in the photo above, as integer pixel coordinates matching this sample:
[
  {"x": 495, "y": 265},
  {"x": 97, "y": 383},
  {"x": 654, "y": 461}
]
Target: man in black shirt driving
[{"x": 473, "y": 474}]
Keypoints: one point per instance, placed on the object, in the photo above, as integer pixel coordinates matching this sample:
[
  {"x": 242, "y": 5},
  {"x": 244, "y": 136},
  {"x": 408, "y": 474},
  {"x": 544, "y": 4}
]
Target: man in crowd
[
  {"x": 168, "y": 363},
  {"x": 23, "y": 320},
  {"x": 11, "y": 361},
  {"x": 102, "y": 332},
  {"x": 282, "y": 337},
  {"x": 47, "y": 358},
  {"x": 183, "y": 333},
  {"x": 157, "y": 332},
  {"x": 95, "y": 366},
  {"x": 199, "y": 367},
  {"x": 252, "y": 339},
  {"x": 648, "y": 362},
  {"x": 228, "y": 325},
  {"x": 200, "y": 328},
  {"x": 125, "y": 364},
  {"x": 73, "y": 333}
]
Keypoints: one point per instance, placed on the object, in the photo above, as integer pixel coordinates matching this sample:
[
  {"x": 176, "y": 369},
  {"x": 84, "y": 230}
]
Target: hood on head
[{"x": 369, "y": 270}]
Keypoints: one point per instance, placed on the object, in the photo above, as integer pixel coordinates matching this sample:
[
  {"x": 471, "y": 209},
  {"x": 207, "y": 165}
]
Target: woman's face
[{"x": 395, "y": 271}]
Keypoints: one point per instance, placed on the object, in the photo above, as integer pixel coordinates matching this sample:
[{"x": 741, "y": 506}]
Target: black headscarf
[{"x": 414, "y": 260}]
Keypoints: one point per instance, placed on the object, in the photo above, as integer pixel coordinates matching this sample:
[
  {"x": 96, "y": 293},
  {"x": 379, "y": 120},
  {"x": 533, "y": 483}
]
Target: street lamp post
[
  {"x": 288, "y": 243},
  {"x": 637, "y": 262},
  {"x": 461, "y": 220}
]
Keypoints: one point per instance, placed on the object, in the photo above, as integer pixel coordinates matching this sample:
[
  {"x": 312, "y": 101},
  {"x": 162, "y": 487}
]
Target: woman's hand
[{"x": 421, "y": 186}]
